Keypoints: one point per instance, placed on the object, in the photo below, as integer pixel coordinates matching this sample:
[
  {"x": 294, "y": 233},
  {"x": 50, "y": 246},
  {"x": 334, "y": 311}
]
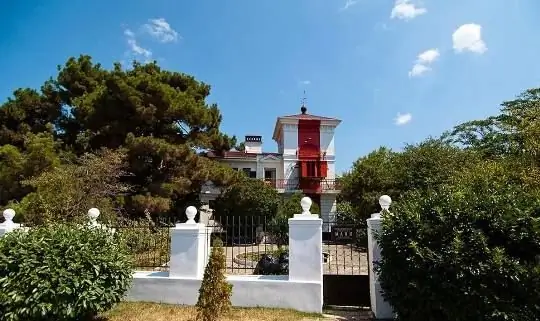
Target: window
[
  {"x": 249, "y": 173},
  {"x": 311, "y": 169}
]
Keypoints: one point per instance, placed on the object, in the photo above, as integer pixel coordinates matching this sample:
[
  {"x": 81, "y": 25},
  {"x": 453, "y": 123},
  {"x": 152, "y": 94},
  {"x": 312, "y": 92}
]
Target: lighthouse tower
[{"x": 306, "y": 143}]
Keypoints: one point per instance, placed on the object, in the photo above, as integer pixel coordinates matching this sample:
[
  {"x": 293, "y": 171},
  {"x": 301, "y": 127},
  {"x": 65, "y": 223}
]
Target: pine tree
[{"x": 215, "y": 292}]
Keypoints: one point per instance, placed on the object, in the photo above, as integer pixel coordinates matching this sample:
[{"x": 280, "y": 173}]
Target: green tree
[
  {"x": 38, "y": 153},
  {"x": 160, "y": 118},
  {"x": 423, "y": 166},
  {"x": 370, "y": 177},
  {"x": 477, "y": 235},
  {"x": 215, "y": 292},
  {"x": 65, "y": 193},
  {"x": 244, "y": 206},
  {"x": 278, "y": 226}
]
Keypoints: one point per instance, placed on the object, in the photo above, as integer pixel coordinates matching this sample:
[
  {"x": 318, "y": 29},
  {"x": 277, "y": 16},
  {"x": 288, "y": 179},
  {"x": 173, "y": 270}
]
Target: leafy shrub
[
  {"x": 65, "y": 193},
  {"x": 464, "y": 252},
  {"x": 61, "y": 272},
  {"x": 215, "y": 292},
  {"x": 278, "y": 226},
  {"x": 245, "y": 206}
]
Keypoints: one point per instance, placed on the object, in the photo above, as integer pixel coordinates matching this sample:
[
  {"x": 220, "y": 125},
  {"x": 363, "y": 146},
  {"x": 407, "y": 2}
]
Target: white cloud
[
  {"x": 406, "y": 10},
  {"x": 423, "y": 62},
  {"x": 468, "y": 37},
  {"x": 161, "y": 30},
  {"x": 134, "y": 48},
  {"x": 305, "y": 82},
  {"x": 349, "y": 4},
  {"x": 428, "y": 56},
  {"x": 418, "y": 70},
  {"x": 402, "y": 119}
]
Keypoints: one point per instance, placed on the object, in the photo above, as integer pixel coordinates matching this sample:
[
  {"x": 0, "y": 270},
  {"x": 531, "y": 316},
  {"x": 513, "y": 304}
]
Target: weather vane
[{"x": 304, "y": 108}]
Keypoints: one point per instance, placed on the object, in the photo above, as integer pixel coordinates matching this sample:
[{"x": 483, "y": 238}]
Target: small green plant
[
  {"x": 215, "y": 292},
  {"x": 61, "y": 272}
]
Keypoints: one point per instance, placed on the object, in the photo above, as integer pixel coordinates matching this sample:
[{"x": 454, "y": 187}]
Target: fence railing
[
  {"x": 246, "y": 239},
  {"x": 148, "y": 242},
  {"x": 345, "y": 249},
  {"x": 304, "y": 183}
]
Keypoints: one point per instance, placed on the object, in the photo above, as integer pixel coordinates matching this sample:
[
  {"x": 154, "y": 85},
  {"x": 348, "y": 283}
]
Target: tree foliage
[
  {"x": 249, "y": 197},
  {"x": 160, "y": 119},
  {"x": 288, "y": 206},
  {"x": 61, "y": 272},
  {"x": 418, "y": 167},
  {"x": 66, "y": 192},
  {"x": 463, "y": 242},
  {"x": 215, "y": 292}
]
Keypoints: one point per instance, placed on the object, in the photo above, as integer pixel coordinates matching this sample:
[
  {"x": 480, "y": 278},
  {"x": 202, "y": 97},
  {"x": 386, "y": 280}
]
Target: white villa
[{"x": 305, "y": 161}]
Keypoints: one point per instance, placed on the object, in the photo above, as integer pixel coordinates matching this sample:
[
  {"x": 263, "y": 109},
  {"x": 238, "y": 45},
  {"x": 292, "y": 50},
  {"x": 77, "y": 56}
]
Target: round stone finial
[
  {"x": 191, "y": 211},
  {"x": 384, "y": 202},
  {"x": 9, "y": 214},
  {"x": 93, "y": 214},
  {"x": 306, "y": 205}
]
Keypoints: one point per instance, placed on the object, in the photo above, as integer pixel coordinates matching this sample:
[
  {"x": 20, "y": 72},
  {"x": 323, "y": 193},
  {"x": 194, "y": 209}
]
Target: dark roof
[
  {"x": 237, "y": 154},
  {"x": 307, "y": 117}
]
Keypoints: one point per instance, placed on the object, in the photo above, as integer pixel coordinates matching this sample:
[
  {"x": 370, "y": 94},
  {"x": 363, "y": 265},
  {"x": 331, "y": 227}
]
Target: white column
[
  {"x": 380, "y": 308},
  {"x": 8, "y": 224},
  {"x": 305, "y": 245},
  {"x": 189, "y": 247}
]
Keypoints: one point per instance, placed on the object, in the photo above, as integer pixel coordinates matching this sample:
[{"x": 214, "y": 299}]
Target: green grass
[{"x": 163, "y": 312}]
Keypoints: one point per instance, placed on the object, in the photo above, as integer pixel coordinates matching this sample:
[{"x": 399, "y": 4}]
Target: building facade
[{"x": 305, "y": 161}]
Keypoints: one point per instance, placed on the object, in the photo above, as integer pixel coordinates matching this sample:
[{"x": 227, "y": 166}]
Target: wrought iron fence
[
  {"x": 246, "y": 239},
  {"x": 305, "y": 183},
  {"x": 345, "y": 249},
  {"x": 148, "y": 242}
]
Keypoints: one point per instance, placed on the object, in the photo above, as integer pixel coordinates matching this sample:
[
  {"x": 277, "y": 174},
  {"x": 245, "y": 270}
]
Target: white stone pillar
[
  {"x": 305, "y": 245},
  {"x": 8, "y": 224},
  {"x": 380, "y": 308},
  {"x": 190, "y": 244}
]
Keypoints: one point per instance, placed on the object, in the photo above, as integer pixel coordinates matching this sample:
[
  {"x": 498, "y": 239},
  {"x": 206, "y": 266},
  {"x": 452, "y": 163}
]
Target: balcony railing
[{"x": 307, "y": 184}]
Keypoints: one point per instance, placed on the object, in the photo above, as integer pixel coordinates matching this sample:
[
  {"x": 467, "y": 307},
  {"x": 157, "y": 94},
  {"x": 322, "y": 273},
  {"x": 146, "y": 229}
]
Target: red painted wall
[
  {"x": 309, "y": 153},
  {"x": 309, "y": 139}
]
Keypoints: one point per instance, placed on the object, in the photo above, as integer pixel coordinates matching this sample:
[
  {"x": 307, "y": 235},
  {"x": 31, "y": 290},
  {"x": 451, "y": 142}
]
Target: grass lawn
[{"x": 163, "y": 312}]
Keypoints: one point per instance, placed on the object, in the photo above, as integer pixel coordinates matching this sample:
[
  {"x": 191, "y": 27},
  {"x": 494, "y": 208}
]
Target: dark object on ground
[{"x": 270, "y": 265}]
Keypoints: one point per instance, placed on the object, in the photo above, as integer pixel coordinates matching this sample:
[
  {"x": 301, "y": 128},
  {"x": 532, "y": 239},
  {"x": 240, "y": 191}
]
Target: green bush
[
  {"x": 61, "y": 272},
  {"x": 278, "y": 226},
  {"x": 463, "y": 252},
  {"x": 244, "y": 207},
  {"x": 215, "y": 292}
]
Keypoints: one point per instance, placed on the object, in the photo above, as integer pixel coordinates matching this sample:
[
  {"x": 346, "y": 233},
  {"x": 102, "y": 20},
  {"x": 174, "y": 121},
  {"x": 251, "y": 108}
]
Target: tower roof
[{"x": 302, "y": 116}]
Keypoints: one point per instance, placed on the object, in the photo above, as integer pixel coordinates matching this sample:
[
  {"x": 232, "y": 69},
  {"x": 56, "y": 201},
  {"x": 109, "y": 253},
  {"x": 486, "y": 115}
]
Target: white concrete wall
[
  {"x": 264, "y": 162},
  {"x": 327, "y": 140},
  {"x": 301, "y": 290},
  {"x": 331, "y": 174},
  {"x": 289, "y": 170},
  {"x": 253, "y": 147},
  {"x": 251, "y": 164},
  {"x": 290, "y": 139},
  {"x": 248, "y": 291}
]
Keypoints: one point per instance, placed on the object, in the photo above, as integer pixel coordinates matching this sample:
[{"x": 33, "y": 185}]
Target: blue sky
[{"x": 435, "y": 63}]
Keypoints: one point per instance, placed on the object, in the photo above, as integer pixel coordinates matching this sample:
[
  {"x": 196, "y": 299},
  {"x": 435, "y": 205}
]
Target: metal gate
[{"x": 346, "y": 269}]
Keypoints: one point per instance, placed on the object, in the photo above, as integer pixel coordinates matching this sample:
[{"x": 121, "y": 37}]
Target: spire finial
[{"x": 303, "y": 109}]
